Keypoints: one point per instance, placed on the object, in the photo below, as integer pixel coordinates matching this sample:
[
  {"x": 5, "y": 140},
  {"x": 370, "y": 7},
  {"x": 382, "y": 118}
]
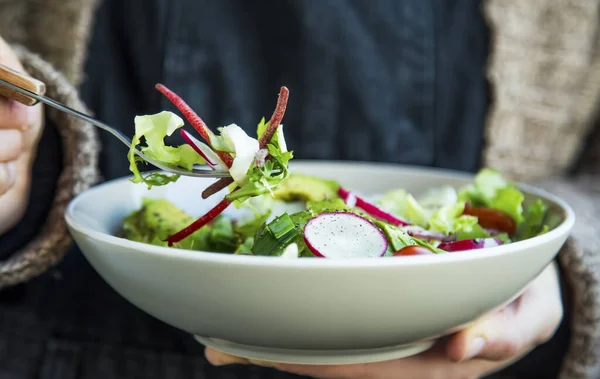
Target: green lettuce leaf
[
  {"x": 467, "y": 227},
  {"x": 490, "y": 189},
  {"x": 265, "y": 179},
  {"x": 403, "y": 204},
  {"x": 534, "y": 221},
  {"x": 245, "y": 248},
  {"x": 154, "y": 128},
  {"x": 509, "y": 200},
  {"x": 249, "y": 228},
  {"x": 444, "y": 219},
  {"x": 450, "y": 220},
  {"x": 398, "y": 238}
]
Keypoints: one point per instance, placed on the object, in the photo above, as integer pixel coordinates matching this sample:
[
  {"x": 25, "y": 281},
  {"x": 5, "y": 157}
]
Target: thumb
[{"x": 526, "y": 322}]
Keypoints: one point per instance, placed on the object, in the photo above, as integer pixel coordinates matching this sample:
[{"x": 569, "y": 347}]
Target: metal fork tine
[{"x": 198, "y": 173}]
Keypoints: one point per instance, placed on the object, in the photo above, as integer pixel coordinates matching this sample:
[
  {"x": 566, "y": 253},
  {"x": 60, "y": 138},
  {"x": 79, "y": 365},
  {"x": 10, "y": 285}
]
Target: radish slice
[
  {"x": 424, "y": 234},
  {"x": 344, "y": 235},
  {"x": 211, "y": 158},
  {"x": 473, "y": 244},
  {"x": 370, "y": 208}
]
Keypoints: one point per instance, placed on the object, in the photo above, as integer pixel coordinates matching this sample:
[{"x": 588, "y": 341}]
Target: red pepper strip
[
  {"x": 195, "y": 120},
  {"x": 199, "y": 223},
  {"x": 274, "y": 123},
  {"x": 216, "y": 187}
]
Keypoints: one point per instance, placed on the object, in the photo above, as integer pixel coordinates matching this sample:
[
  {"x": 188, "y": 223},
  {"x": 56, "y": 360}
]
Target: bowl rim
[{"x": 247, "y": 260}]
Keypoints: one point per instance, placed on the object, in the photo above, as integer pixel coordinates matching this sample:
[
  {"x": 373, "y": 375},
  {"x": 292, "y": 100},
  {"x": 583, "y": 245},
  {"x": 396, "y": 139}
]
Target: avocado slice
[
  {"x": 156, "y": 220},
  {"x": 300, "y": 187}
]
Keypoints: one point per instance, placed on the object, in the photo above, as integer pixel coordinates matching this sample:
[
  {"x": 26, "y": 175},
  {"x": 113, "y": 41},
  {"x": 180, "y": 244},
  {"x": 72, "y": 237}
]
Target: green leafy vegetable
[
  {"x": 403, "y": 204},
  {"x": 245, "y": 248},
  {"x": 533, "y": 224},
  {"x": 249, "y": 228},
  {"x": 222, "y": 237},
  {"x": 265, "y": 179},
  {"x": 154, "y": 128},
  {"x": 398, "y": 238},
  {"x": 444, "y": 219},
  {"x": 490, "y": 190},
  {"x": 509, "y": 200},
  {"x": 467, "y": 227}
]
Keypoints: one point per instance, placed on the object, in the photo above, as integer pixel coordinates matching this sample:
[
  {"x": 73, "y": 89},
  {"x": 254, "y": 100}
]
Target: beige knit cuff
[
  {"x": 580, "y": 261},
  {"x": 80, "y": 151}
]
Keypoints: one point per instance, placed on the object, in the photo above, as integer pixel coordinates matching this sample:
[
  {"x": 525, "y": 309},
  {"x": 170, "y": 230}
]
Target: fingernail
[{"x": 475, "y": 348}]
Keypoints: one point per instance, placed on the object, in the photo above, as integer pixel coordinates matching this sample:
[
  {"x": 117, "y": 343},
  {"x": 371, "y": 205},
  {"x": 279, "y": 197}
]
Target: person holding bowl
[{"x": 455, "y": 84}]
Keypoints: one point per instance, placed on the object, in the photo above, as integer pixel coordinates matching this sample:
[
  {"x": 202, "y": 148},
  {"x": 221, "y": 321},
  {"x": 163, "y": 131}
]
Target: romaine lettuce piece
[
  {"x": 154, "y": 128},
  {"x": 534, "y": 221},
  {"x": 490, "y": 189},
  {"x": 402, "y": 204}
]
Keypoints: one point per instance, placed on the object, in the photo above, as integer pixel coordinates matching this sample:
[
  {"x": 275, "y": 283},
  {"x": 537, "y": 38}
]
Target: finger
[
  {"x": 11, "y": 144},
  {"x": 432, "y": 364},
  {"x": 8, "y": 56},
  {"x": 530, "y": 320},
  {"x": 218, "y": 358},
  {"x": 14, "y": 115},
  {"x": 8, "y": 176}
]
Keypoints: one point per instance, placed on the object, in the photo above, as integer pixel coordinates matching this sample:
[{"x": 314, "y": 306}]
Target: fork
[{"x": 30, "y": 91}]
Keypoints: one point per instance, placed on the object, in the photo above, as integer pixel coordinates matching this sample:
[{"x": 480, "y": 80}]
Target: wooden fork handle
[{"x": 20, "y": 80}]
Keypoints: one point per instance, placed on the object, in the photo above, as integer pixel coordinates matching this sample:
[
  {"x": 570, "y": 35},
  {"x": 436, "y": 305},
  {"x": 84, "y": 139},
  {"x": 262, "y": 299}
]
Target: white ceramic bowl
[{"x": 308, "y": 310}]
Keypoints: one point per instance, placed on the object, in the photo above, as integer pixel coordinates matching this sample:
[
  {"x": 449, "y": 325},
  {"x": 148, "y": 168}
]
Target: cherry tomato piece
[
  {"x": 493, "y": 219},
  {"x": 413, "y": 250}
]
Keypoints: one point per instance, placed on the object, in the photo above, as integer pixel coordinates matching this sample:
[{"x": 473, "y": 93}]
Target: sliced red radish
[
  {"x": 424, "y": 234},
  {"x": 344, "y": 235},
  {"x": 370, "y": 208},
  {"x": 478, "y": 243},
  {"x": 211, "y": 158}
]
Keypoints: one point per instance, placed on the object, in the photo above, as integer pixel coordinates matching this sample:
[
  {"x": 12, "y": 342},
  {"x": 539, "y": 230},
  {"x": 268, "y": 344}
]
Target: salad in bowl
[
  {"x": 317, "y": 216},
  {"x": 312, "y": 262}
]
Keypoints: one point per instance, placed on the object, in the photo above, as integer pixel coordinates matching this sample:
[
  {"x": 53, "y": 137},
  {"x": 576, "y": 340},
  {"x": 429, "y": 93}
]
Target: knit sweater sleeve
[
  {"x": 580, "y": 261},
  {"x": 76, "y": 170}
]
